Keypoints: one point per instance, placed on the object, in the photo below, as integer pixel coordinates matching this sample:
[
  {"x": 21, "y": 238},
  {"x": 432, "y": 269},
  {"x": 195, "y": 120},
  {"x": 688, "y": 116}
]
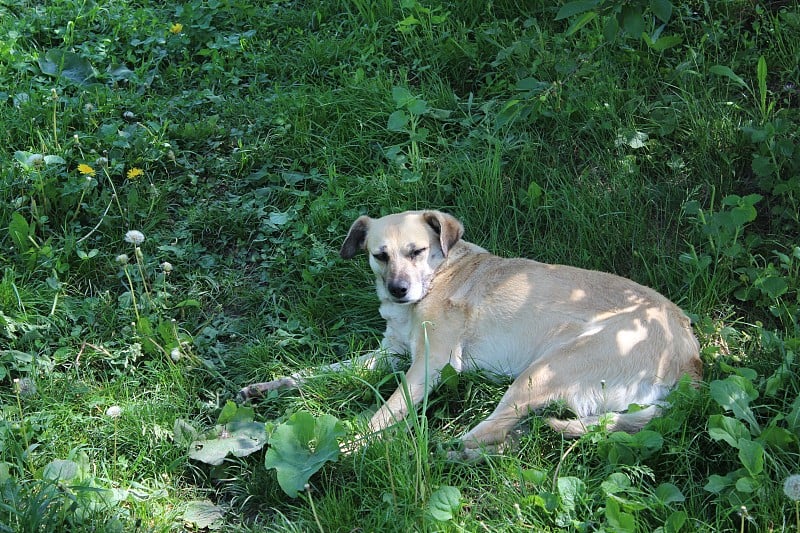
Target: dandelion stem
[
  {"x": 133, "y": 292},
  {"x": 102, "y": 217},
  {"x": 314, "y": 511},
  {"x": 138, "y": 253}
]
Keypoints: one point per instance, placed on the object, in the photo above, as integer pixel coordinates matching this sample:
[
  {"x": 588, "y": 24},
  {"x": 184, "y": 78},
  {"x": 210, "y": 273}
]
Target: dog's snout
[{"x": 398, "y": 288}]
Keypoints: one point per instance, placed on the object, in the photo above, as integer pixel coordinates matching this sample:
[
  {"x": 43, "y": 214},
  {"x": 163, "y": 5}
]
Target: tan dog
[{"x": 594, "y": 341}]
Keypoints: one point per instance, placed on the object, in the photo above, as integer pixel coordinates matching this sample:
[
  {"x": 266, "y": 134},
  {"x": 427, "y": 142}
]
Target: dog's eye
[
  {"x": 382, "y": 257},
  {"x": 416, "y": 253}
]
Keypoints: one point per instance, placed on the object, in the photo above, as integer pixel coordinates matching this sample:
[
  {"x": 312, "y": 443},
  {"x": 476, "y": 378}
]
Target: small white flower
[
  {"x": 123, "y": 259},
  {"x": 166, "y": 266},
  {"x": 114, "y": 411},
  {"x": 175, "y": 354},
  {"x": 134, "y": 237},
  {"x": 791, "y": 487}
]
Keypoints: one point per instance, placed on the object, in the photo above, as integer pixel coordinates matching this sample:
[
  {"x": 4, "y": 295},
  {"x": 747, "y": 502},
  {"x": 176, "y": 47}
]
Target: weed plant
[{"x": 176, "y": 180}]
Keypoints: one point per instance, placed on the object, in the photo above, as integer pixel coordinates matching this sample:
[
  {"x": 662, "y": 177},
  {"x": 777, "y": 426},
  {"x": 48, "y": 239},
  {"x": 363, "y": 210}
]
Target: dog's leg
[
  {"x": 368, "y": 361},
  {"x": 535, "y": 388},
  {"x": 420, "y": 379}
]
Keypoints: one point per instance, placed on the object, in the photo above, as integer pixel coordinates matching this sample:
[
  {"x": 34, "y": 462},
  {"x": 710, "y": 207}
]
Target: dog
[{"x": 596, "y": 342}]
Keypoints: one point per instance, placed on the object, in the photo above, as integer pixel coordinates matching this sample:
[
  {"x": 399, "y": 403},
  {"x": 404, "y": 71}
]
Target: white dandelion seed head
[
  {"x": 114, "y": 411},
  {"x": 35, "y": 160},
  {"x": 791, "y": 487},
  {"x": 101, "y": 162},
  {"x": 123, "y": 259},
  {"x": 134, "y": 237},
  {"x": 175, "y": 354},
  {"x": 166, "y": 266},
  {"x": 26, "y": 388}
]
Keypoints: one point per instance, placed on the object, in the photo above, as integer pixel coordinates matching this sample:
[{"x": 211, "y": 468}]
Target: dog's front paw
[{"x": 256, "y": 390}]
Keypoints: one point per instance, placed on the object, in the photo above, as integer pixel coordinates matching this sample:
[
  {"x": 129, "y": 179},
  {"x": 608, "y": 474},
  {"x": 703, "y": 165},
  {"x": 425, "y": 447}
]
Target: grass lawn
[{"x": 176, "y": 181}]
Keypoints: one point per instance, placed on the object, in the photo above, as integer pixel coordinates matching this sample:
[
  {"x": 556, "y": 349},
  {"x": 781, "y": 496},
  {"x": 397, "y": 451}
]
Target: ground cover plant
[{"x": 176, "y": 180}]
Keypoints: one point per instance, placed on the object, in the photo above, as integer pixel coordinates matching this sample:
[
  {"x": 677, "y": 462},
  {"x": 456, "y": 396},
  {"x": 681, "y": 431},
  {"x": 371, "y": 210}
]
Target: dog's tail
[{"x": 630, "y": 422}]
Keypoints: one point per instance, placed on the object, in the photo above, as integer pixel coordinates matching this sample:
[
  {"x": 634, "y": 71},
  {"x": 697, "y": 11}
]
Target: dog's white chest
[{"x": 399, "y": 328}]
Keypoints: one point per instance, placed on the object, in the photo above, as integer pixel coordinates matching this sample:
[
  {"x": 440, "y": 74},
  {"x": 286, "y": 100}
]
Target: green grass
[{"x": 263, "y": 130}]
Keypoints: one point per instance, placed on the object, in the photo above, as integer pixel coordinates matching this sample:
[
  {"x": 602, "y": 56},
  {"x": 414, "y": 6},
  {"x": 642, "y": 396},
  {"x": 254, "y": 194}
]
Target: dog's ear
[
  {"x": 355, "y": 238},
  {"x": 446, "y": 226}
]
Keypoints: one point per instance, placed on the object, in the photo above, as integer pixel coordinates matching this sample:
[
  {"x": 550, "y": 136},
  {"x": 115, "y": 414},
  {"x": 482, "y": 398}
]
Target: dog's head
[{"x": 404, "y": 250}]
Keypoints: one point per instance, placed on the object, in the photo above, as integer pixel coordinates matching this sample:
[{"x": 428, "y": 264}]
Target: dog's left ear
[
  {"x": 355, "y": 238},
  {"x": 446, "y": 226}
]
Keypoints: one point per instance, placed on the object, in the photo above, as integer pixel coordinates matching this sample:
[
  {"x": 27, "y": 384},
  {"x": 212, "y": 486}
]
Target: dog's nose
[{"x": 398, "y": 289}]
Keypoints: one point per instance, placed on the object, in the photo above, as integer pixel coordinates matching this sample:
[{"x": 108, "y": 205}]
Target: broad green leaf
[
  {"x": 667, "y": 41},
  {"x": 763, "y": 166},
  {"x": 401, "y": 96},
  {"x": 444, "y": 503},
  {"x": 661, "y": 9},
  {"x": 747, "y": 484},
  {"x": 448, "y": 378},
  {"x": 237, "y": 438},
  {"x": 54, "y": 160},
  {"x": 300, "y": 447},
  {"x": 227, "y": 413},
  {"x": 648, "y": 442},
  {"x": 717, "y": 484},
  {"x": 722, "y": 70},
  {"x": 65, "y": 64},
  {"x": 570, "y": 489},
  {"x": 675, "y": 521},
  {"x": 632, "y": 21},
  {"x": 777, "y": 437},
  {"x": 534, "y": 475},
  {"x": 619, "y": 520},
  {"x": 729, "y": 429},
  {"x": 751, "y": 454},
  {"x": 735, "y": 394},
  {"x": 398, "y": 121},
  {"x": 278, "y": 218},
  {"x": 773, "y": 286},
  {"x": 616, "y": 483},
  {"x": 19, "y": 230},
  {"x": 580, "y": 22},
  {"x": 417, "y": 106},
  {"x": 668, "y": 493},
  {"x": 611, "y": 29},
  {"x": 575, "y": 8},
  {"x": 203, "y": 514},
  {"x": 61, "y": 470}
]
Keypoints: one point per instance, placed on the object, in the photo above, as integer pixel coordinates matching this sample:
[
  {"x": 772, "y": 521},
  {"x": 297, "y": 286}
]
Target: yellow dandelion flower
[
  {"x": 176, "y": 28},
  {"x": 134, "y": 173},
  {"x": 86, "y": 170}
]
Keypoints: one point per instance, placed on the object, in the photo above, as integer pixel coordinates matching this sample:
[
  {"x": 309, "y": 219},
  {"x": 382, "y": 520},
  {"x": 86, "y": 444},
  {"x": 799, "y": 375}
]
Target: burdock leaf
[
  {"x": 65, "y": 64},
  {"x": 300, "y": 447},
  {"x": 239, "y": 438}
]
